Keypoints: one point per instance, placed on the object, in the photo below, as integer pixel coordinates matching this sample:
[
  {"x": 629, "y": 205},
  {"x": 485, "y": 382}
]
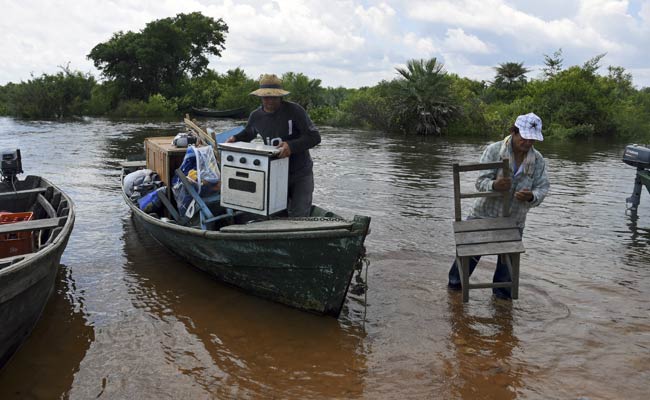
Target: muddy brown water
[{"x": 128, "y": 320}]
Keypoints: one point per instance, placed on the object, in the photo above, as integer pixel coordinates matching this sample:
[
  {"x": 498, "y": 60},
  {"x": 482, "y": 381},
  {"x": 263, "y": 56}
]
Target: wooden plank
[
  {"x": 479, "y": 166},
  {"x": 282, "y": 225},
  {"x": 457, "y": 209},
  {"x": 490, "y": 285},
  {"x": 206, "y": 138},
  {"x": 30, "y": 225},
  {"x": 464, "y": 277},
  {"x": 168, "y": 205},
  {"x": 22, "y": 193},
  {"x": 506, "y": 194},
  {"x": 476, "y": 237},
  {"x": 514, "y": 267},
  {"x": 484, "y": 249},
  {"x": 480, "y": 194},
  {"x": 484, "y": 224},
  {"x": 202, "y": 134}
]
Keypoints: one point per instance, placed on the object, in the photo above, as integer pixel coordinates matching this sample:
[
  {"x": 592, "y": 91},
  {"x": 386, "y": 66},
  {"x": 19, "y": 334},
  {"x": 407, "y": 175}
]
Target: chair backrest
[{"x": 458, "y": 168}]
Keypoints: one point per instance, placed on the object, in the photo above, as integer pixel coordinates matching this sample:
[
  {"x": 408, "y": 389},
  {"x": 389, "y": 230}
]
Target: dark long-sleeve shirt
[{"x": 290, "y": 123}]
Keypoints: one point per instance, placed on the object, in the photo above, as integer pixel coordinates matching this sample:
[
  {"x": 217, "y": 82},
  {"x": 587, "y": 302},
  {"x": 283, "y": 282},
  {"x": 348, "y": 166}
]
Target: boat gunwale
[
  {"x": 56, "y": 243},
  {"x": 313, "y": 234}
]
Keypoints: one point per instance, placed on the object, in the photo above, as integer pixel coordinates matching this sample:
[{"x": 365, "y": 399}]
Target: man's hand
[
  {"x": 231, "y": 139},
  {"x": 502, "y": 184},
  {"x": 524, "y": 195},
  {"x": 285, "y": 150}
]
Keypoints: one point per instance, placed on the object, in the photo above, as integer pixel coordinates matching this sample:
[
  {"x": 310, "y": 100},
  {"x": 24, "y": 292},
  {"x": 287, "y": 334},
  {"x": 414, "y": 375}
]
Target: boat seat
[
  {"x": 287, "y": 225},
  {"x": 32, "y": 225},
  {"x": 22, "y": 193},
  {"x": 486, "y": 236}
]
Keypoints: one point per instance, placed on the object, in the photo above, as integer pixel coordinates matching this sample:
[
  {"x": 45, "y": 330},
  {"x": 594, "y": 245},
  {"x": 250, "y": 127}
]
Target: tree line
[{"x": 162, "y": 71}]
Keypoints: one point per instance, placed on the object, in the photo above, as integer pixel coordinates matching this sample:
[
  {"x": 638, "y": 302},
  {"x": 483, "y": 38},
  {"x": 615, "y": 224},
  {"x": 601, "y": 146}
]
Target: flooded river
[{"x": 130, "y": 321}]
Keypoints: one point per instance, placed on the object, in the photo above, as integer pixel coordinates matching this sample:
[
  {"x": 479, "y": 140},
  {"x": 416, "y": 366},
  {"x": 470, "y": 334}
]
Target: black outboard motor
[
  {"x": 11, "y": 165},
  {"x": 639, "y": 157}
]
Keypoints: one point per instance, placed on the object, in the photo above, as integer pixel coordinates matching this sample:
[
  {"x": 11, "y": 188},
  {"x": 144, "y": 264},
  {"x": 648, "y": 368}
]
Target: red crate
[{"x": 15, "y": 244}]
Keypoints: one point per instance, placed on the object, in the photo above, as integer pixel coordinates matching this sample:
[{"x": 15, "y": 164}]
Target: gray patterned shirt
[{"x": 536, "y": 180}]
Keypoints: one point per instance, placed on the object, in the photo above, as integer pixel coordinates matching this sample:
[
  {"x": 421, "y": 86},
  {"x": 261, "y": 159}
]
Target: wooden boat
[
  {"x": 30, "y": 254},
  {"x": 209, "y": 112},
  {"x": 306, "y": 263}
]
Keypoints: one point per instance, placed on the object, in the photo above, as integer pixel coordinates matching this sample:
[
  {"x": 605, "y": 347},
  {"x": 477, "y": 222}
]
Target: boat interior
[
  {"x": 32, "y": 215},
  {"x": 209, "y": 214}
]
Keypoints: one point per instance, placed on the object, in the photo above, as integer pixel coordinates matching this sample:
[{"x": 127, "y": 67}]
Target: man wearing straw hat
[{"x": 286, "y": 125}]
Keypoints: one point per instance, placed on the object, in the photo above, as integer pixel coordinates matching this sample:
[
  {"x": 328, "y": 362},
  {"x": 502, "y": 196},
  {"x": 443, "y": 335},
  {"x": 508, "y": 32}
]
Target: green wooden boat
[
  {"x": 212, "y": 113},
  {"x": 306, "y": 263}
]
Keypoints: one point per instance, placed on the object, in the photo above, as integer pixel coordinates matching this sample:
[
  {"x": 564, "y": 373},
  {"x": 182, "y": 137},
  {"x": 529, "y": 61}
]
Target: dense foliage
[
  {"x": 160, "y": 57},
  {"x": 162, "y": 71},
  {"x": 61, "y": 95}
]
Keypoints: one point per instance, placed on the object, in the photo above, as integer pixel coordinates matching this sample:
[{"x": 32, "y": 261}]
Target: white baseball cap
[{"x": 530, "y": 126}]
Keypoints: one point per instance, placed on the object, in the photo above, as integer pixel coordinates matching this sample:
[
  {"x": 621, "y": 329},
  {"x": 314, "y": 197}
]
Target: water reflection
[
  {"x": 484, "y": 342},
  {"x": 52, "y": 354},
  {"x": 232, "y": 344}
]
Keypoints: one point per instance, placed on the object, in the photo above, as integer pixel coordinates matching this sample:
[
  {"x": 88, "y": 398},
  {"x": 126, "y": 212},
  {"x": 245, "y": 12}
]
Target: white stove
[{"x": 253, "y": 179}]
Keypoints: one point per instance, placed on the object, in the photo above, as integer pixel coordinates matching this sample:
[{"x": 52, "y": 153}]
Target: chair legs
[
  {"x": 511, "y": 260},
  {"x": 463, "y": 269},
  {"x": 515, "y": 275}
]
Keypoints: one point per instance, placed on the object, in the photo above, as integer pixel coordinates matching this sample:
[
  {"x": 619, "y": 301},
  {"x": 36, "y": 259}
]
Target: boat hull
[
  {"x": 308, "y": 270},
  {"x": 26, "y": 286}
]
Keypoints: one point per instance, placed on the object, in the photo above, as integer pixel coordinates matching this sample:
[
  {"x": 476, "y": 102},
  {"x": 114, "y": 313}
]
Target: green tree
[
  {"x": 592, "y": 65},
  {"x": 553, "y": 64},
  {"x": 234, "y": 90},
  {"x": 304, "y": 91},
  {"x": 159, "y": 58},
  {"x": 61, "y": 95},
  {"x": 424, "y": 103},
  {"x": 510, "y": 75}
]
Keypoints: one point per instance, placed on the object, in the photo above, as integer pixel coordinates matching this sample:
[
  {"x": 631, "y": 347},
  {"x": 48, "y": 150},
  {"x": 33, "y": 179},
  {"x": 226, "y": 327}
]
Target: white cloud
[
  {"x": 378, "y": 19},
  {"x": 457, "y": 40},
  {"x": 341, "y": 42},
  {"x": 420, "y": 45}
]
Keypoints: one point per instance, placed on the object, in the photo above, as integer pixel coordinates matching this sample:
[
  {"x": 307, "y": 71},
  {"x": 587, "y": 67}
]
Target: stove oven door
[{"x": 243, "y": 187}]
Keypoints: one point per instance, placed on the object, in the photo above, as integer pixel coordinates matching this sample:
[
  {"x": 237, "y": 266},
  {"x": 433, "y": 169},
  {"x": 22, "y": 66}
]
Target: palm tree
[
  {"x": 425, "y": 96},
  {"x": 510, "y": 75}
]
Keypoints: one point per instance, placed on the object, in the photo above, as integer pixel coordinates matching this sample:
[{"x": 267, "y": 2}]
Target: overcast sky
[{"x": 348, "y": 43}]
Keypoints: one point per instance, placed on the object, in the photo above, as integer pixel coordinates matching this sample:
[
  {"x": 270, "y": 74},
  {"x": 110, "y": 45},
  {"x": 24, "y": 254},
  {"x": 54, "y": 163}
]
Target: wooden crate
[
  {"x": 163, "y": 157},
  {"x": 18, "y": 243}
]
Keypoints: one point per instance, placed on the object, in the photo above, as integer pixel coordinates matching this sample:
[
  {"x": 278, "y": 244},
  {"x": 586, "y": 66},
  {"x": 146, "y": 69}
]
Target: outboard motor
[
  {"x": 11, "y": 165},
  {"x": 639, "y": 157}
]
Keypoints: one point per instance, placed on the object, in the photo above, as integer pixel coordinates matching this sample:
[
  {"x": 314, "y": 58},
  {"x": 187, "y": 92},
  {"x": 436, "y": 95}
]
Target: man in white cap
[
  {"x": 528, "y": 185},
  {"x": 287, "y": 125}
]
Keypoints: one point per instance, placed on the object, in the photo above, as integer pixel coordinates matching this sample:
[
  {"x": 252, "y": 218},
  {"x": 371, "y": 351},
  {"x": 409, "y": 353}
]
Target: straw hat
[{"x": 270, "y": 86}]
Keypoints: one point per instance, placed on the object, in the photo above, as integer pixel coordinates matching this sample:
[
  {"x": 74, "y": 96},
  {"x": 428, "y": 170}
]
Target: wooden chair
[{"x": 486, "y": 236}]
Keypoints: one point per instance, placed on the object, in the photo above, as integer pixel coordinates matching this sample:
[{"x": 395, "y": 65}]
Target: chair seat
[
  {"x": 487, "y": 236},
  {"x": 484, "y": 249},
  {"x": 483, "y": 224}
]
